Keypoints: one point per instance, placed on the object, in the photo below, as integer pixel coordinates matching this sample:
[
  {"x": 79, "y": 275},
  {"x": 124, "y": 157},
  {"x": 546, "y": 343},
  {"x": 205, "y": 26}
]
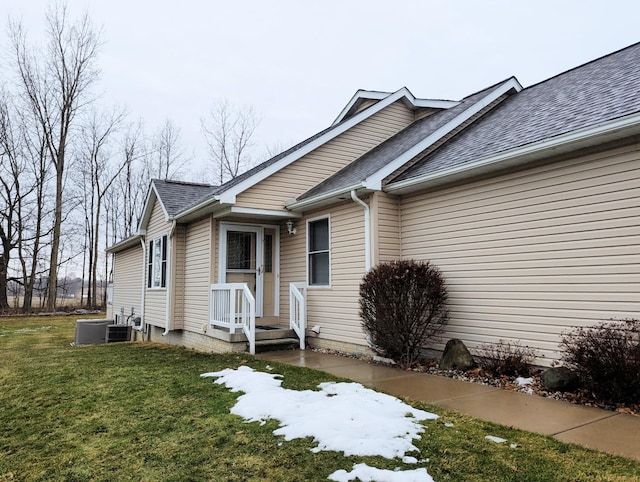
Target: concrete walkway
[{"x": 611, "y": 432}]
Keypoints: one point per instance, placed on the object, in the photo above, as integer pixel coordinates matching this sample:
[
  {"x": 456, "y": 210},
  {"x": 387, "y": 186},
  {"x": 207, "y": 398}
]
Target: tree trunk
[
  {"x": 55, "y": 243},
  {"x": 4, "y": 264}
]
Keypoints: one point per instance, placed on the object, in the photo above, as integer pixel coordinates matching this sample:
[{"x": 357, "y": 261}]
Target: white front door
[{"x": 241, "y": 259}]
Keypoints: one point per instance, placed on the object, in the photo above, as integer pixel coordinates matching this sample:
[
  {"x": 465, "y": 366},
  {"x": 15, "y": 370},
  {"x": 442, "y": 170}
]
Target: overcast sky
[{"x": 299, "y": 62}]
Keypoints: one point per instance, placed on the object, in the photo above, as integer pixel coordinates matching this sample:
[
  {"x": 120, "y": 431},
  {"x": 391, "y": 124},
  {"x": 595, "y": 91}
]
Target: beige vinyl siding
[
  {"x": 306, "y": 172},
  {"x": 363, "y": 105},
  {"x": 127, "y": 288},
  {"x": 531, "y": 254},
  {"x": 334, "y": 308},
  {"x": 385, "y": 229},
  {"x": 155, "y": 303},
  {"x": 197, "y": 269}
]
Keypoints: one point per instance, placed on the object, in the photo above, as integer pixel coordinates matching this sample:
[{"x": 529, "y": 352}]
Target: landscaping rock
[
  {"x": 559, "y": 379},
  {"x": 456, "y": 356}
]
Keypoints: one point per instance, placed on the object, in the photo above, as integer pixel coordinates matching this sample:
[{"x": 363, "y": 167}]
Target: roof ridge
[
  {"x": 491, "y": 87},
  {"x": 184, "y": 183},
  {"x": 598, "y": 59}
]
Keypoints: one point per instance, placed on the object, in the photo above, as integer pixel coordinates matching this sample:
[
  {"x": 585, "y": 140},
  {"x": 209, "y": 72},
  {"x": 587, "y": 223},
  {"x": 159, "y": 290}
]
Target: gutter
[
  {"x": 367, "y": 229},
  {"x": 312, "y": 201},
  {"x": 167, "y": 316}
]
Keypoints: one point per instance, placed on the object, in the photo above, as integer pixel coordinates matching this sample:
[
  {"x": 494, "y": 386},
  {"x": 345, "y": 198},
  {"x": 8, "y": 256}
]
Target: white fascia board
[
  {"x": 312, "y": 201},
  {"x": 435, "y": 103},
  {"x": 542, "y": 147},
  {"x": 164, "y": 210},
  {"x": 360, "y": 94},
  {"x": 229, "y": 196},
  {"x": 257, "y": 212},
  {"x": 147, "y": 210},
  {"x": 125, "y": 244},
  {"x": 375, "y": 180}
]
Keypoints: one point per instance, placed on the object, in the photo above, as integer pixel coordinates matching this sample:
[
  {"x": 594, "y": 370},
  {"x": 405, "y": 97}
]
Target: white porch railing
[
  {"x": 233, "y": 306},
  {"x": 298, "y": 310}
]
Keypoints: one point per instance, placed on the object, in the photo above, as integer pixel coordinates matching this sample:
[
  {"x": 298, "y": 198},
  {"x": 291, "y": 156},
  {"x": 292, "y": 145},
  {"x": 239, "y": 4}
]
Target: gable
[
  {"x": 158, "y": 223},
  {"x": 368, "y": 171},
  {"x": 312, "y": 168}
]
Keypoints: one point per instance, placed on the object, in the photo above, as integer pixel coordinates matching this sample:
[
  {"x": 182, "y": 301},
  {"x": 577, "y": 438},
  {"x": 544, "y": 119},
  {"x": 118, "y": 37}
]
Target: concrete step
[
  {"x": 274, "y": 333},
  {"x": 276, "y": 344}
]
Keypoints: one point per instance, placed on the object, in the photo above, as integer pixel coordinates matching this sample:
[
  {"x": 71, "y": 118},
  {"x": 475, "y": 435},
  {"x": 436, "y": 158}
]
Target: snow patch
[
  {"x": 343, "y": 417},
  {"x": 495, "y": 439},
  {"x": 523, "y": 382},
  {"x": 370, "y": 474}
]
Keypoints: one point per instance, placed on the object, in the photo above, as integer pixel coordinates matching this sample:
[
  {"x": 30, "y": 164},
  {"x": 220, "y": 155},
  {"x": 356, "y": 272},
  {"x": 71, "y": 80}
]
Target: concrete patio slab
[
  {"x": 308, "y": 359},
  {"x": 526, "y": 412},
  {"x": 366, "y": 373},
  {"x": 430, "y": 388},
  {"x": 617, "y": 434}
]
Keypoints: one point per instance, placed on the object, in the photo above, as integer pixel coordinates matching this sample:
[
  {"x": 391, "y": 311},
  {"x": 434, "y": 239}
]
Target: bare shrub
[
  {"x": 606, "y": 357},
  {"x": 403, "y": 306},
  {"x": 507, "y": 358}
]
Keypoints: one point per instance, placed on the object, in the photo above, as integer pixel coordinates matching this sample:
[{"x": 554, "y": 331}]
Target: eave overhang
[
  {"x": 328, "y": 198},
  {"x": 126, "y": 243}
]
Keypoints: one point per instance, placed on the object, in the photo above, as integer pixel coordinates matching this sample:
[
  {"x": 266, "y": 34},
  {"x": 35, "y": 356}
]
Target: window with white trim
[
  {"x": 319, "y": 260},
  {"x": 157, "y": 263}
]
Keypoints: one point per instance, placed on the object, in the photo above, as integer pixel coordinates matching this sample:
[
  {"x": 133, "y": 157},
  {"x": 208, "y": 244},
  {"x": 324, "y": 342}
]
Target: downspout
[
  {"x": 167, "y": 316},
  {"x": 143, "y": 242},
  {"x": 367, "y": 229}
]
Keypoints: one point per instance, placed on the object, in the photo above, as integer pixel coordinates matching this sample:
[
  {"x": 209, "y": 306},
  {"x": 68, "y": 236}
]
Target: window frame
[
  {"x": 157, "y": 245},
  {"x": 309, "y": 253}
]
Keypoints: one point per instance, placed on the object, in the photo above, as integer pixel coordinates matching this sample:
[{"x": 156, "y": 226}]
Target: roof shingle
[{"x": 599, "y": 91}]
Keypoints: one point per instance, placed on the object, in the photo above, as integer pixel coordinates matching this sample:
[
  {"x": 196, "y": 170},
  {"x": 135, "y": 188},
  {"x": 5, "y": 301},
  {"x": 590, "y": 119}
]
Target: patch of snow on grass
[
  {"x": 31, "y": 330},
  {"x": 370, "y": 474},
  {"x": 495, "y": 439},
  {"x": 344, "y": 417}
]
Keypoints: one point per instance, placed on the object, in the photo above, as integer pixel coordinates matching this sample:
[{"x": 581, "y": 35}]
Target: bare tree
[
  {"x": 275, "y": 148},
  {"x": 11, "y": 193},
  {"x": 128, "y": 195},
  {"x": 55, "y": 84},
  {"x": 99, "y": 169},
  {"x": 229, "y": 132},
  {"x": 169, "y": 158}
]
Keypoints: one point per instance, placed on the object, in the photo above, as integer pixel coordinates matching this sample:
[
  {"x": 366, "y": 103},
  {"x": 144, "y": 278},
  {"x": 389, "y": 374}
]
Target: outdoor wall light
[{"x": 290, "y": 227}]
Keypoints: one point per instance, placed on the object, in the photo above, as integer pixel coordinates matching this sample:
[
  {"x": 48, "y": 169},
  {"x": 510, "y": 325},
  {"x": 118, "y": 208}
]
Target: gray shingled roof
[
  {"x": 177, "y": 195},
  {"x": 383, "y": 154},
  {"x": 599, "y": 91}
]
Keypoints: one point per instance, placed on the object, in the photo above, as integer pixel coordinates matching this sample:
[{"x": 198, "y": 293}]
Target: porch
[{"x": 233, "y": 318}]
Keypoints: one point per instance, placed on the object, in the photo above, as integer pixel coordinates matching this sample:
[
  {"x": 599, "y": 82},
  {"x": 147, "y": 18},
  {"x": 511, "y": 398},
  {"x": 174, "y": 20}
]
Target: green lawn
[{"x": 139, "y": 412}]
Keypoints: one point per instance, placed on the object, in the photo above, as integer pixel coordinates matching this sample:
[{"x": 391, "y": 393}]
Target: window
[
  {"x": 318, "y": 252},
  {"x": 268, "y": 253},
  {"x": 157, "y": 270},
  {"x": 239, "y": 250}
]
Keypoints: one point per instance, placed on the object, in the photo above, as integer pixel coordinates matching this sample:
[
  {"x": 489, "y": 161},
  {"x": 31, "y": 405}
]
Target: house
[{"x": 528, "y": 200}]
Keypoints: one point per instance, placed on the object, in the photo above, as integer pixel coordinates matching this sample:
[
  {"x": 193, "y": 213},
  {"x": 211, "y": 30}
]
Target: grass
[{"x": 142, "y": 412}]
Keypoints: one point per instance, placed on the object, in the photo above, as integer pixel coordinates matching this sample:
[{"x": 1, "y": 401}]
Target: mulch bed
[{"x": 478, "y": 375}]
